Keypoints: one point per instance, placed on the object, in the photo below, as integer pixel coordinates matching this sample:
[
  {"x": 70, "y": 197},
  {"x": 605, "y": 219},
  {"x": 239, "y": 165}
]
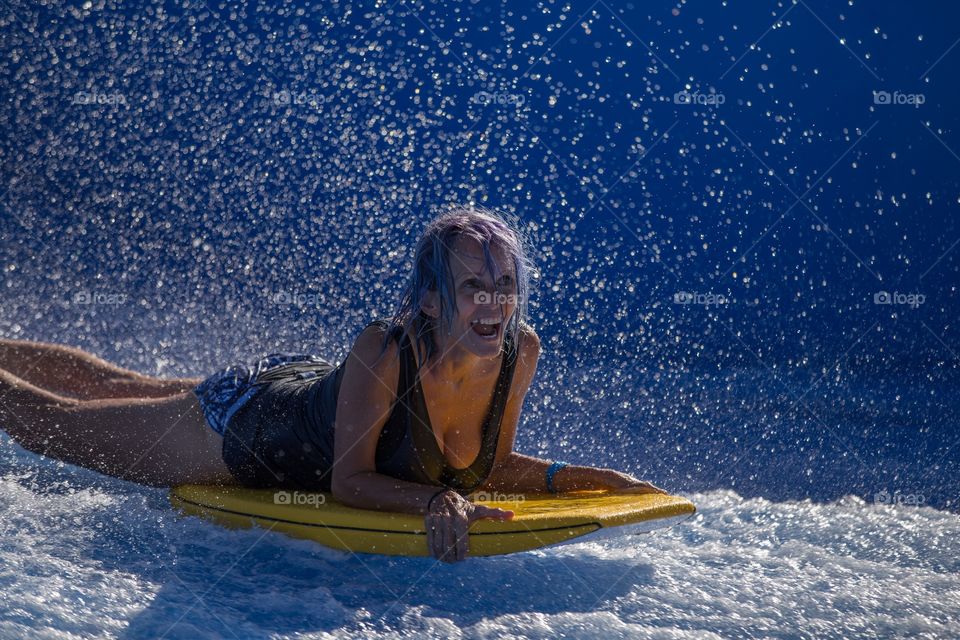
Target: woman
[{"x": 423, "y": 411}]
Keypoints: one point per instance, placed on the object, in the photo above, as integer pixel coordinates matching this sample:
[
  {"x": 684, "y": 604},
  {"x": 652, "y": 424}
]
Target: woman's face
[{"x": 482, "y": 308}]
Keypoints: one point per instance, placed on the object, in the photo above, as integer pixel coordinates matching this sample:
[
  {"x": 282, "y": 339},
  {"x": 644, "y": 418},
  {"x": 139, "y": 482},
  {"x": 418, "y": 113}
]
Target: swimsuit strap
[
  {"x": 414, "y": 421},
  {"x": 469, "y": 478}
]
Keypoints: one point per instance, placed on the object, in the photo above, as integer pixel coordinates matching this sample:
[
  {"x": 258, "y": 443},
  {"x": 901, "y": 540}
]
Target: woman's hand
[
  {"x": 614, "y": 482},
  {"x": 448, "y": 523}
]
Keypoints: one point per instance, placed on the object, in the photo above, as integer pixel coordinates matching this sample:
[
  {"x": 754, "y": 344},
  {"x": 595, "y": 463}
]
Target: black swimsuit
[{"x": 283, "y": 436}]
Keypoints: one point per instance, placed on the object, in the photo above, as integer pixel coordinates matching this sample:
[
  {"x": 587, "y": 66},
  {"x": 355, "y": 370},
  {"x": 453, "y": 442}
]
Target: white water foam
[{"x": 82, "y": 556}]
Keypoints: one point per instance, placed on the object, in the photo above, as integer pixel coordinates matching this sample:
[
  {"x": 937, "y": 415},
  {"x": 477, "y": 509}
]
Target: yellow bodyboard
[{"x": 538, "y": 521}]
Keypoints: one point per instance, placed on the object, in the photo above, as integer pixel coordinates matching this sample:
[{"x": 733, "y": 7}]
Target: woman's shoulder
[
  {"x": 526, "y": 329},
  {"x": 527, "y": 339},
  {"x": 525, "y": 350},
  {"x": 373, "y": 350},
  {"x": 383, "y": 322}
]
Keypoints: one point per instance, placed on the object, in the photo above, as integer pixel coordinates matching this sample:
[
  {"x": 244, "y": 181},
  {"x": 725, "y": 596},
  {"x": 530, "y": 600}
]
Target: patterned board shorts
[{"x": 226, "y": 391}]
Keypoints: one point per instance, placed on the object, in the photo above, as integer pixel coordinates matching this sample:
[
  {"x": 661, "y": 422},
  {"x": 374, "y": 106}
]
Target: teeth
[{"x": 487, "y": 321}]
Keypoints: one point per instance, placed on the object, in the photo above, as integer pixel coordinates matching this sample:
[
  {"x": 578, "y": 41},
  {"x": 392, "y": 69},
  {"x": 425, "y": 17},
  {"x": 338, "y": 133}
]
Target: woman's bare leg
[
  {"x": 154, "y": 441},
  {"x": 69, "y": 371}
]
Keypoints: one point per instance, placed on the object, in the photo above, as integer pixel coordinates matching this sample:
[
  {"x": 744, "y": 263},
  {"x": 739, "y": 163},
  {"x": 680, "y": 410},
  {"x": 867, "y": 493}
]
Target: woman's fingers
[
  {"x": 451, "y": 542},
  {"x": 454, "y": 539},
  {"x": 448, "y": 534},
  {"x": 641, "y": 487},
  {"x": 463, "y": 540},
  {"x": 439, "y": 538},
  {"x": 435, "y": 538}
]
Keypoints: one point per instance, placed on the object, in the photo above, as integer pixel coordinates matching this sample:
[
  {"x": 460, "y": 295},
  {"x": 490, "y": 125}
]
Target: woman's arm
[
  {"x": 520, "y": 473},
  {"x": 370, "y": 490},
  {"x": 525, "y": 474}
]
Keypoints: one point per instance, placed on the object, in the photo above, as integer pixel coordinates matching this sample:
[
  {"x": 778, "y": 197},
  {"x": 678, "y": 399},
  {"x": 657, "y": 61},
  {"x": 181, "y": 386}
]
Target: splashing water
[{"x": 745, "y": 223}]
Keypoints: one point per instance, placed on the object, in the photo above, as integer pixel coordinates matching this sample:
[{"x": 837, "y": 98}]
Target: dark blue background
[{"x": 205, "y": 203}]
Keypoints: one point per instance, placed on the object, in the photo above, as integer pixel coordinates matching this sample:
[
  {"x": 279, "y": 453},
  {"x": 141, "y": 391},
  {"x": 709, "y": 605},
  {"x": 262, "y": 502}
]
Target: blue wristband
[{"x": 552, "y": 471}]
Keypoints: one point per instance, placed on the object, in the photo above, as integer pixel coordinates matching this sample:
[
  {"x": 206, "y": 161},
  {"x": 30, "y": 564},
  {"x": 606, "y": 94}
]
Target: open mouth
[{"x": 486, "y": 328}]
